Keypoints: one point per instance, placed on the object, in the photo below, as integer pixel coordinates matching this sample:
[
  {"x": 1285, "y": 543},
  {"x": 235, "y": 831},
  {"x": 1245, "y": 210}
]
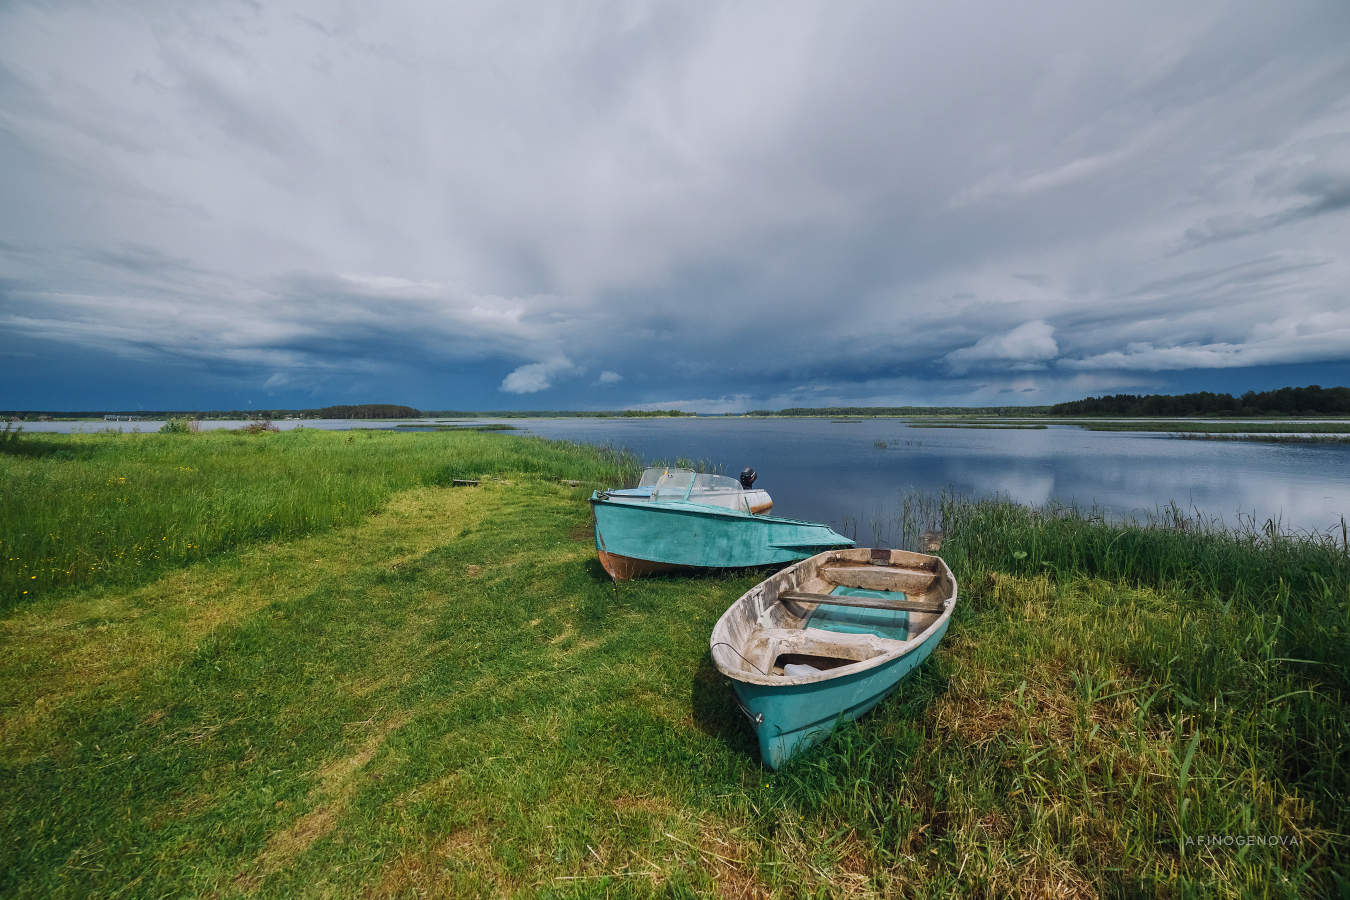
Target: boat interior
[{"x": 854, "y": 607}]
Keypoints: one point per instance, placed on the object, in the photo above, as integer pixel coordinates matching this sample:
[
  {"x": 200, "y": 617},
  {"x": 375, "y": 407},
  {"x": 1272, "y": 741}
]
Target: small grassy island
[{"x": 302, "y": 663}]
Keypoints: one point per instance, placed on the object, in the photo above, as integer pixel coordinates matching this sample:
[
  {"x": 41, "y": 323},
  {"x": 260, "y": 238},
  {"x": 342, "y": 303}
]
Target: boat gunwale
[
  {"x": 689, "y": 508},
  {"x": 910, "y": 646}
]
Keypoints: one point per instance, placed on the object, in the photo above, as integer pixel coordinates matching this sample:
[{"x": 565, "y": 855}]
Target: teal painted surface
[
  {"x": 887, "y": 623},
  {"x": 796, "y": 716},
  {"x": 690, "y": 534}
]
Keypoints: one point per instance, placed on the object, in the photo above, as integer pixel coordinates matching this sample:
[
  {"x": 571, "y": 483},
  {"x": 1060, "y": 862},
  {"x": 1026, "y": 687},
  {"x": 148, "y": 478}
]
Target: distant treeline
[
  {"x": 239, "y": 414},
  {"x": 358, "y": 411},
  {"x": 551, "y": 413},
  {"x": 903, "y": 411},
  {"x": 369, "y": 411},
  {"x": 1288, "y": 401}
]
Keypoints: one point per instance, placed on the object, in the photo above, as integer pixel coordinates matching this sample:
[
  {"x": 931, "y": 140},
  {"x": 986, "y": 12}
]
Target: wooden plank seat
[
  {"x": 876, "y": 578},
  {"x": 906, "y": 605}
]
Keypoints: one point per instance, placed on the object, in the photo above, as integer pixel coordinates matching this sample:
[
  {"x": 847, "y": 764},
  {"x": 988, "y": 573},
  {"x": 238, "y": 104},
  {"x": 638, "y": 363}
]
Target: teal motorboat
[
  {"x": 676, "y": 518},
  {"x": 825, "y": 640}
]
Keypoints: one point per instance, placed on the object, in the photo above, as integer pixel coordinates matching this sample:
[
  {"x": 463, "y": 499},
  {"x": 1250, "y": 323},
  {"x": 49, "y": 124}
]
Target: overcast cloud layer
[{"x": 709, "y": 206}]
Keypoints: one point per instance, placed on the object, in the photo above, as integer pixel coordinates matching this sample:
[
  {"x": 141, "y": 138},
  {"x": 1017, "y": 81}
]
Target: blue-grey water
[{"x": 834, "y": 472}]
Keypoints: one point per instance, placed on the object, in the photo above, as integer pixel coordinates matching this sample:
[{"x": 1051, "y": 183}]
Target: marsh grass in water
[
  {"x": 448, "y": 697},
  {"x": 1266, "y": 438},
  {"x": 466, "y": 426},
  {"x": 1222, "y": 427},
  {"x": 996, "y": 427}
]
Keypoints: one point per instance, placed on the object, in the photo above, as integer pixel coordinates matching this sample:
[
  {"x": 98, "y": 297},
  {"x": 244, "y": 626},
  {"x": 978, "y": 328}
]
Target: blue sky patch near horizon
[{"x": 712, "y": 208}]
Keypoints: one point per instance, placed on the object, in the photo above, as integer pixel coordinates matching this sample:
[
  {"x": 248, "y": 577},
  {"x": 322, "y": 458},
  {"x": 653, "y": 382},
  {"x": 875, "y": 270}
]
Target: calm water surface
[{"x": 834, "y": 472}]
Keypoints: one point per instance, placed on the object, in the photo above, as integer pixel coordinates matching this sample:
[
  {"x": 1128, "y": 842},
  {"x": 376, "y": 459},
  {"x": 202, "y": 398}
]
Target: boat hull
[
  {"x": 642, "y": 538},
  {"x": 828, "y": 638},
  {"x": 792, "y": 718},
  {"x": 623, "y": 568}
]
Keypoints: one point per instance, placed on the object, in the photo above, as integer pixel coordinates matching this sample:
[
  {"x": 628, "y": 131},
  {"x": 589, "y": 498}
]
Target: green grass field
[
  {"x": 436, "y": 691},
  {"x": 116, "y": 508}
]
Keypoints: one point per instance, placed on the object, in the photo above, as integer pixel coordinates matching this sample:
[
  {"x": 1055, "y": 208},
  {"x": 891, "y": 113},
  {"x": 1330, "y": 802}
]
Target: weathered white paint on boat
[{"x": 838, "y": 675}]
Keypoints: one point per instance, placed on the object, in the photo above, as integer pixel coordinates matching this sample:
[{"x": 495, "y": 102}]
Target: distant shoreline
[{"x": 1282, "y": 403}]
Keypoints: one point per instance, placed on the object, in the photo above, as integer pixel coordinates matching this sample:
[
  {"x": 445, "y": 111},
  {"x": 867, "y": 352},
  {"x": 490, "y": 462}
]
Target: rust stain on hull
[{"x": 623, "y": 568}]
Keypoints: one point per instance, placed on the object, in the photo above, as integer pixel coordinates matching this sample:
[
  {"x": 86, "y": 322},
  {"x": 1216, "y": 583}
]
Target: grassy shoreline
[
  {"x": 149, "y": 502},
  {"x": 439, "y": 692}
]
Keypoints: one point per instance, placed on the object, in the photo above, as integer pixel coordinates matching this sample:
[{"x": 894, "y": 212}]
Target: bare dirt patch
[
  {"x": 460, "y": 863},
  {"x": 1046, "y": 879},
  {"x": 731, "y": 863},
  {"x": 656, "y": 806}
]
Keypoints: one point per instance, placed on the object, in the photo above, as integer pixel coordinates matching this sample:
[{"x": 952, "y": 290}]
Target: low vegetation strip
[
  {"x": 993, "y": 425},
  {"x": 448, "y": 697},
  {"x": 1267, "y": 438},
  {"x": 1225, "y": 427}
]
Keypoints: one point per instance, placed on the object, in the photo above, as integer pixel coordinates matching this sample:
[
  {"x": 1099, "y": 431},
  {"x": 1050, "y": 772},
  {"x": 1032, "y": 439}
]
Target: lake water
[{"x": 833, "y": 472}]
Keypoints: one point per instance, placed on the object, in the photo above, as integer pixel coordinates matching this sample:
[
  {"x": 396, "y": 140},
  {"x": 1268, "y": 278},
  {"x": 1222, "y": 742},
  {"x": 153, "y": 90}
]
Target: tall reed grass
[
  {"x": 1157, "y": 705},
  {"x": 1257, "y": 651},
  {"x": 111, "y": 508}
]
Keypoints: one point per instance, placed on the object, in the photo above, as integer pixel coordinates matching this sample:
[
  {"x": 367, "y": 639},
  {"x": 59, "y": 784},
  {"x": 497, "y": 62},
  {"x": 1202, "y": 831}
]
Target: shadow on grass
[
  {"x": 893, "y": 731},
  {"x": 28, "y": 445},
  {"x": 713, "y": 703},
  {"x": 596, "y": 571}
]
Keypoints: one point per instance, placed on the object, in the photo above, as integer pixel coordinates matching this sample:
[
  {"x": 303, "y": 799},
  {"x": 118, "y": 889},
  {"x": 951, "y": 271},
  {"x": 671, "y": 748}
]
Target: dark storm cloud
[{"x": 717, "y": 207}]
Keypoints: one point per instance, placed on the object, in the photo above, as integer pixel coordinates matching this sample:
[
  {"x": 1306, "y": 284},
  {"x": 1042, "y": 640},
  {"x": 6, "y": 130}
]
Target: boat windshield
[
  {"x": 653, "y": 474},
  {"x": 715, "y": 484},
  {"x": 668, "y": 484},
  {"x": 680, "y": 484}
]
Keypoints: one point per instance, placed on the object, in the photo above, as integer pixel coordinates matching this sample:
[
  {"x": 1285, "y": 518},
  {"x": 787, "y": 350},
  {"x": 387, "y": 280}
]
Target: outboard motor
[{"x": 748, "y": 476}]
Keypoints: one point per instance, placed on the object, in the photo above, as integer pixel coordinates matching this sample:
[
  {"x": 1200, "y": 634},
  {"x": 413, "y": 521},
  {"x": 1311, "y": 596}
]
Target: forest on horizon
[{"x": 1287, "y": 401}]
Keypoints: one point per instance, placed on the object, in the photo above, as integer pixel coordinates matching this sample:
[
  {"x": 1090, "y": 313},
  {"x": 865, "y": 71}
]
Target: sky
[{"x": 711, "y": 207}]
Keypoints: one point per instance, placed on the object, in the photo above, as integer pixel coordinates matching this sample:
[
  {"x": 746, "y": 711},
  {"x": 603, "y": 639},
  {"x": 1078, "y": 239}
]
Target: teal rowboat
[
  {"x": 697, "y": 522},
  {"x": 827, "y": 639}
]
